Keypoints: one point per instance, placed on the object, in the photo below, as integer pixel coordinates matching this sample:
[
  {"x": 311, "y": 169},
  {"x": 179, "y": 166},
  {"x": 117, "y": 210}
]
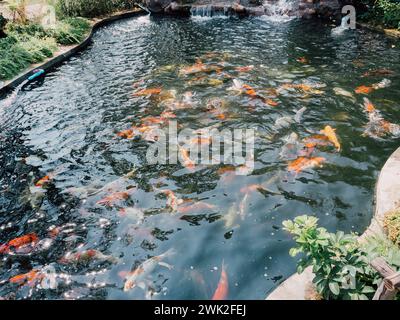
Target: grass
[{"x": 31, "y": 43}]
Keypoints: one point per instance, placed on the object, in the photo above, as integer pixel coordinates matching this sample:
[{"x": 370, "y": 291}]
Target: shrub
[
  {"x": 340, "y": 266},
  {"x": 32, "y": 43},
  {"x": 384, "y": 12},
  {"x": 392, "y": 225},
  {"x": 17, "y": 54},
  {"x": 70, "y": 31},
  {"x": 91, "y": 8},
  {"x": 340, "y": 262}
]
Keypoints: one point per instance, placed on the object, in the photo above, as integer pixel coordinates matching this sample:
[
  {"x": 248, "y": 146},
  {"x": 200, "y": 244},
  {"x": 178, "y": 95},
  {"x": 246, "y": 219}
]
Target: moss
[{"x": 392, "y": 225}]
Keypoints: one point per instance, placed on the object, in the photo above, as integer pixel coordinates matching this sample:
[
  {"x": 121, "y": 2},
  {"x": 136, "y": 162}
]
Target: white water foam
[
  {"x": 279, "y": 11},
  {"x": 205, "y": 13}
]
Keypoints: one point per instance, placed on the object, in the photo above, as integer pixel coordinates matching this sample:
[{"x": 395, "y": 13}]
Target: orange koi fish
[
  {"x": 27, "y": 240},
  {"x": 303, "y": 163},
  {"x": 172, "y": 200},
  {"x": 221, "y": 293},
  {"x": 244, "y": 69},
  {"x": 147, "y": 92},
  {"x": 198, "y": 206},
  {"x": 271, "y": 102},
  {"x": 30, "y": 278},
  {"x": 249, "y": 90},
  {"x": 43, "y": 181},
  {"x": 226, "y": 169},
  {"x": 330, "y": 133},
  {"x": 114, "y": 197},
  {"x": 195, "y": 68},
  {"x": 378, "y": 72},
  {"x": 364, "y": 89},
  {"x": 187, "y": 162},
  {"x": 127, "y": 134},
  {"x": 316, "y": 140}
]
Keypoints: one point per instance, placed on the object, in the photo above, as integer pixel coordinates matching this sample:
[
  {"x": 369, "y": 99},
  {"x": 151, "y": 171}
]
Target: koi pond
[{"x": 84, "y": 216}]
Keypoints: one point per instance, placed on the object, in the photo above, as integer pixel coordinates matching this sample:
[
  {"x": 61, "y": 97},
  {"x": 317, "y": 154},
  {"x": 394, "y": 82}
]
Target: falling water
[
  {"x": 280, "y": 10},
  {"x": 344, "y": 25},
  {"x": 13, "y": 96},
  {"x": 207, "y": 11}
]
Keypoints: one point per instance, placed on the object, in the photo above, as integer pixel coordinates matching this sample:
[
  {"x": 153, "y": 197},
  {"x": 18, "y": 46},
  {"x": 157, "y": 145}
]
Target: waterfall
[
  {"x": 209, "y": 11},
  {"x": 344, "y": 25},
  {"x": 279, "y": 10}
]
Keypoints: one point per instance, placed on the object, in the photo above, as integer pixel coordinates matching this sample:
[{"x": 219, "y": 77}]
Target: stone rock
[{"x": 157, "y": 6}]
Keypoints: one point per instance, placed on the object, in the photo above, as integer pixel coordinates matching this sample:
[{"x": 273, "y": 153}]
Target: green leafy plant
[
  {"x": 382, "y": 12},
  {"x": 340, "y": 266},
  {"x": 32, "y": 43}
]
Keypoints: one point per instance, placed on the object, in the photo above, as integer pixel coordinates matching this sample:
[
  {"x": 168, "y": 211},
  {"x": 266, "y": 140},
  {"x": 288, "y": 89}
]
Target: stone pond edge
[
  {"x": 62, "y": 56},
  {"x": 387, "y": 191}
]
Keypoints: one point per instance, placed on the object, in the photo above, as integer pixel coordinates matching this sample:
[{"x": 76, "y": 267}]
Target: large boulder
[
  {"x": 3, "y": 22},
  {"x": 157, "y": 6}
]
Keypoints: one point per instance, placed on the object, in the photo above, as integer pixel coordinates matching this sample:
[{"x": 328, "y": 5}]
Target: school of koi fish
[{"x": 146, "y": 209}]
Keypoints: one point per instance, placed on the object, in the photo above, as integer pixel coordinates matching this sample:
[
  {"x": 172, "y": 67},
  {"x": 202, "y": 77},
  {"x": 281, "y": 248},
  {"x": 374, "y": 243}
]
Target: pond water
[{"x": 66, "y": 127}]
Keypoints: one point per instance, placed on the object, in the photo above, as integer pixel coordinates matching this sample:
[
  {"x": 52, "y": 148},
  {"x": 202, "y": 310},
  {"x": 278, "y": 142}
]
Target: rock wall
[{"x": 324, "y": 9}]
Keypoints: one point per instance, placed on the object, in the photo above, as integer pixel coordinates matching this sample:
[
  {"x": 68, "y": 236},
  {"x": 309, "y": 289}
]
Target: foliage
[
  {"x": 70, "y": 30},
  {"x": 18, "y": 10},
  {"x": 91, "y": 8},
  {"x": 17, "y": 54},
  {"x": 384, "y": 12},
  {"x": 392, "y": 225},
  {"x": 340, "y": 266},
  {"x": 32, "y": 43},
  {"x": 340, "y": 262}
]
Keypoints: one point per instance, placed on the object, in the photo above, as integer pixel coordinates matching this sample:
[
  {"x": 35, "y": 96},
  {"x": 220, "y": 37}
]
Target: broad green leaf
[{"x": 334, "y": 287}]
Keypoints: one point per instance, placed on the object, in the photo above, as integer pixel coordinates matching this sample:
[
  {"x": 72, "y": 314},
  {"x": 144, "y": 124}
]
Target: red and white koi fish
[
  {"x": 115, "y": 197},
  {"x": 23, "y": 244}
]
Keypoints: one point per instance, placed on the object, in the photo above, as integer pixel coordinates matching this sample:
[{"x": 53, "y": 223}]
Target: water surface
[{"x": 67, "y": 125}]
